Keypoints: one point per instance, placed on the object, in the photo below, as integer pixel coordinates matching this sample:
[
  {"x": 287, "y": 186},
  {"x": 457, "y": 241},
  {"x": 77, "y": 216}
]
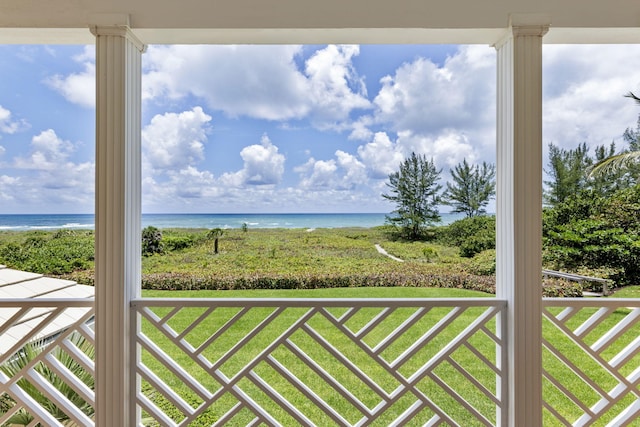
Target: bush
[
  {"x": 152, "y": 241},
  {"x": 484, "y": 263},
  {"x": 472, "y": 235},
  {"x": 57, "y": 253},
  {"x": 592, "y": 232},
  {"x": 176, "y": 243}
]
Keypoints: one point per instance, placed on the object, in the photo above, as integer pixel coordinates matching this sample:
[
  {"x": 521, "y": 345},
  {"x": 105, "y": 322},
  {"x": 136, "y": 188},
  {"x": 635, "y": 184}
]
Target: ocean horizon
[{"x": 26, "y": 222}]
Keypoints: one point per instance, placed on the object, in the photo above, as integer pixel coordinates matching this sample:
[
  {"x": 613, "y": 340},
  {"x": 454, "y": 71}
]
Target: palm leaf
[{"x": 25, "y": 357}]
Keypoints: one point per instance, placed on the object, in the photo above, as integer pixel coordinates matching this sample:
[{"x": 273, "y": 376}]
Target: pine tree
[
  {"x": 415, "y": 192},
  {"x": 472, "y": 188},
  {"x": 567, "y": 171}
]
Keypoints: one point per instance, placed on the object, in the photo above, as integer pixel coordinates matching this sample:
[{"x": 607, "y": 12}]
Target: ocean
[{"x": 163, "y": 221}]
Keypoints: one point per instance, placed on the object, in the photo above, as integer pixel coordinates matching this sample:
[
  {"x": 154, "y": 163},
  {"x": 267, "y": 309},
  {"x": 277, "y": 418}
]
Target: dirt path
[{"x": 381, "y": 250}]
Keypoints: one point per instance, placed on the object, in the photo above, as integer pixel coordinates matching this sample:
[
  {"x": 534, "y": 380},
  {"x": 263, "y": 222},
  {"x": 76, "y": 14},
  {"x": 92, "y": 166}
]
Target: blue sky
[{"x": 286, "y": 128}]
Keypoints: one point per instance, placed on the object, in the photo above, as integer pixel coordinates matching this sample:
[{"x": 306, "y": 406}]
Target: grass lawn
[{"x": 627, "y": 292}]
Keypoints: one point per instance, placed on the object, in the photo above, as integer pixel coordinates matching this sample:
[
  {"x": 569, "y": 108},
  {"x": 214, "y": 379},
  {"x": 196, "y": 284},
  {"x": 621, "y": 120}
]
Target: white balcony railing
[
  {"x": 591, "y": 361},
  {"x": 46, "y": 374},
  {"x": 321, "y": 362},
  {"x": 324, "y": 362}
]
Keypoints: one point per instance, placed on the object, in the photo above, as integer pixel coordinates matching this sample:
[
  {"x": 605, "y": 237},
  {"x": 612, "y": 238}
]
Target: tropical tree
[
  {"x": 415, "y": 192},
  {"x": 215, "y": 234},
  {"x": 566, "y": 170},
  {"x": 626, "y": 158},
  {"x": 472, "y": 188}
]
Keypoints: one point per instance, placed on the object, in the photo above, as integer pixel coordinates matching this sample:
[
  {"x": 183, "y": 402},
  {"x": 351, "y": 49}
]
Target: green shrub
[
  {"x": 483, "y": 263},
  {"x": 152, "y": 241},
  {"x": 50, "y": 253},
  {"x": 176, "y": 243},
  {"x": 472, "y": 235}
]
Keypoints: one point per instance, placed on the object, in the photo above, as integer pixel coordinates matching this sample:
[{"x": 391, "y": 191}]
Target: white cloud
[
  {"x": 335, "y": 87},
  {"x": 447, "y": 149},
  {"x": 78, "y": 88},
  {"x": 174, "y": 141},
  {"x": 263, "y": 82},
  {"x": 344, "y": 173},
  {"x": 425, "y": 98},
  {"x": 253, "y": 81},
  {"x": 48, "y": 152},
  {"x": 263, "y": 165},
  {"x": 316, "y": 174},
  {"x": 8, "y": 125},
  {"x": 584, "y": 87},
  {"x": 381, "y": 156},
  {"x": 49, "y": 177}
]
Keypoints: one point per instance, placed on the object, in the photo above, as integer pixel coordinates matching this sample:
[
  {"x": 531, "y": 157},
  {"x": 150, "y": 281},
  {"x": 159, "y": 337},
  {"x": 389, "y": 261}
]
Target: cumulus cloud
[
  {"x": 342, "y": 173},
  {"x": 583, "y": 97},
  {"x": 263, "y": 82},
  {"x": 253, "y": 81},
  {"x": 8, "y": 125},
  {"x": 263, "y": 165},
  {"x": 427, "y": 98},
  {"x": 78, "y": 88},
  {"x": 174, "y": 141},
  {"x": 49, "y": 176},
  {"x": 335, "y": 87},
  {"x": 381, "y": 156},
  {"x": 48, "y": 152}
]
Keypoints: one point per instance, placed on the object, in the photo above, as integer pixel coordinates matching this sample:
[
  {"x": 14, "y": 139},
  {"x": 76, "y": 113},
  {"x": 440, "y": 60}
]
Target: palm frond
[{"x": 613, "y": 163}]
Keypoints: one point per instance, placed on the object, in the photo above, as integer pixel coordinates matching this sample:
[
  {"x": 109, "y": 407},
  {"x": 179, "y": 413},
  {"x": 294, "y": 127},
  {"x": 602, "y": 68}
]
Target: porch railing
[
  {"x": 591, "y": 361},
  {"x": 323, "y": 362},
  {"x": 46, "y": 374}
]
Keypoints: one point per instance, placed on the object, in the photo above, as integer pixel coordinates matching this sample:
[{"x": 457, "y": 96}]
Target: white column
[
  {"x": 519, "y": 216},
  {"x": 118, "y": 211}
]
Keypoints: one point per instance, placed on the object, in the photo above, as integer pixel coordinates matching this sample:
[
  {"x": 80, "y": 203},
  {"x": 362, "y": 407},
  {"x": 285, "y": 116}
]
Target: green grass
[
  {"x": 323, "y": 293},
  {"x": 627, "y": 292},
  {"x": 277, "y": 251}
]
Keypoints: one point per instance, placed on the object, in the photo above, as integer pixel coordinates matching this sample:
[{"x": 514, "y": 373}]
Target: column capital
[
  {"x": 118, "y": 31},
  {"x": 525, "y": 25}
]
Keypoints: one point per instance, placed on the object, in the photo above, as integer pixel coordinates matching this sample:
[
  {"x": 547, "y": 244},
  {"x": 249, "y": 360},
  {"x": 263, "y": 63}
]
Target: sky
[{"x": 257, "y": 129}]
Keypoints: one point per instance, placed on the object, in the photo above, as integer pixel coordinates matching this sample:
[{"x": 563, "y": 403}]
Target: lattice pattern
[
  {"x": 591, "y": 368},
  {"x": 320, "y": 362},
  {"x": 46, "y": 376}
]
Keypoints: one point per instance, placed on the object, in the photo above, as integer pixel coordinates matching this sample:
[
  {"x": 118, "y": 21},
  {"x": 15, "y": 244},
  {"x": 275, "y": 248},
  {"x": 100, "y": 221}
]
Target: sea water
[{"x": 289, "y": 220}]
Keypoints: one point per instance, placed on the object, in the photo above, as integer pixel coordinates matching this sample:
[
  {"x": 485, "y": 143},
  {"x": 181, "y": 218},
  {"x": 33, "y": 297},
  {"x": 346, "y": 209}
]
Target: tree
[
  {"x": 152, "y": 241},
  {"x": 566, "y": 169},
  {"x": 472, "y": 188},
  {"x": 414, "y": 190},
  {"x": 215, "y": 234},
  {"x": 626, "y": 158}
]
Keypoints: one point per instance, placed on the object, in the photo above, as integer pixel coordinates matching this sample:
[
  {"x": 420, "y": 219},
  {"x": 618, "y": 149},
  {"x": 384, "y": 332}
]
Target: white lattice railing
[
  {"x": 591, "y": 361},
  {"x": 46, "y": 362},
  {"x": 320, "y": 362}
]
